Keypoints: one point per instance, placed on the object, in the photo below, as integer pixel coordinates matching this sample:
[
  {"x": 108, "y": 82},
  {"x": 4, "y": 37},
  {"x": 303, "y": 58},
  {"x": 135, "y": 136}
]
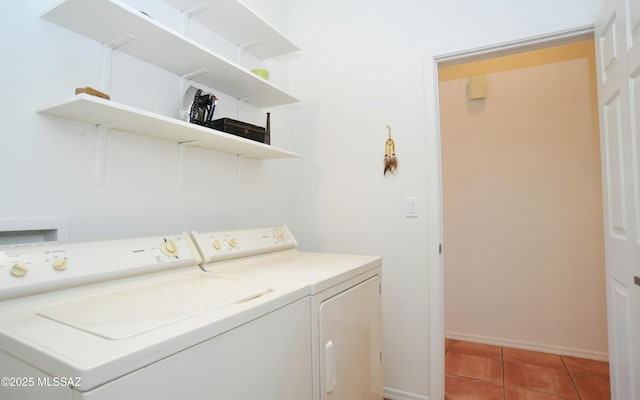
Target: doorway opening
[
  {"x": 522, "y": 201},
  {"x": 497, "y": 213}
]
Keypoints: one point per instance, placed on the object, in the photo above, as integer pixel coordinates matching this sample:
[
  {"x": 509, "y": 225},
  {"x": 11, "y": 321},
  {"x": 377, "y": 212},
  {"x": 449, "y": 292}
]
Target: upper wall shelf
[
  {"x": 97, "y": 111},
  {"x": 109, "y": 21},
  {"x": 239, "y": 24}
]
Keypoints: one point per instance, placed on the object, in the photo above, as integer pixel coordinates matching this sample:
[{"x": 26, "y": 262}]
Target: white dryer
[
  {"x": 345, "y": 295},
  {"x": 138, "y": 319}
]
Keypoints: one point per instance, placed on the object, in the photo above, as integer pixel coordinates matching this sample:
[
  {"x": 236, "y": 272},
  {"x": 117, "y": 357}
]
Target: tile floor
[{"x": 476, "y": 371}]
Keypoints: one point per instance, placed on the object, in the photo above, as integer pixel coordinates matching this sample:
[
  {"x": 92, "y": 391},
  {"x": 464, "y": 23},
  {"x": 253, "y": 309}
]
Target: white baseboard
[
  {"x": 393, "y": 394},
  {"x": 560, "y": 350}
]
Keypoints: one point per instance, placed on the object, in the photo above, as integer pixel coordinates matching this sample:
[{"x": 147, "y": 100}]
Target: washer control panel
[
  {"x": 223, "y": 245},
  {"x": 36, "y": 267}
]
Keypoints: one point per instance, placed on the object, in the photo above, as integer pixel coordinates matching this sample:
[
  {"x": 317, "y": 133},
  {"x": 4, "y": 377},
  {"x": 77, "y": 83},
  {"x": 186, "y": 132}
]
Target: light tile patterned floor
[{"x": 476, "y": 371}]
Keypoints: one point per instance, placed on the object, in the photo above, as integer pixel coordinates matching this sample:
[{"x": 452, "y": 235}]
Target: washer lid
[{"x": 125, "y": 313}]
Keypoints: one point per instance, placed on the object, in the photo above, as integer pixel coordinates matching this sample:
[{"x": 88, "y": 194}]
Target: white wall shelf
[
  {"x": 116, "y": 116},
  {"x": 239, "y": 24},
  {"x": 108, "y": 20}
]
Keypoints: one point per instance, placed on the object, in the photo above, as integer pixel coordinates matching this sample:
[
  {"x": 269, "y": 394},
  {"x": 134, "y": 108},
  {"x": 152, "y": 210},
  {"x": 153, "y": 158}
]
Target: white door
[
  {"x": 617, "y": 38},
  {"x": 351, "y": 344}
]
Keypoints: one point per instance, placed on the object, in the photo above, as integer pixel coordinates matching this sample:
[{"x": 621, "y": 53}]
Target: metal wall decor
[{"x": 390, "y": 159}]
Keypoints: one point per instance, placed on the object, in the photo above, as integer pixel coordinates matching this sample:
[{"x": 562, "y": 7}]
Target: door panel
[
  {"x": 634, "y": 100},
  {"x": 633, "y": 7},
  {"x": 351, "y": 343},
  {"x": 606, "y": 46},
  {"x": 618, "y": 67},
  {"x": 613, "y": 148},
  {"x": 623, "y": 366}
]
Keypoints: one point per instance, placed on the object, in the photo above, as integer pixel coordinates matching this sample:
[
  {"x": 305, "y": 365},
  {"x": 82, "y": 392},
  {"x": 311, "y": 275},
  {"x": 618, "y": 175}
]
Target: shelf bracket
[
  {"x": 107, "y": 55},
  {"x": 189, "y": 76},
  {"x": 101, "y": 151},
  {"x": 190, "y": 12},
  {"x": 182, "y": 146},
  {"x": 240, "y": 102},
  {"x": 241, "y": 48},
  {"x": 183, "y": 84},
  {"x": 239, "y": 158}
]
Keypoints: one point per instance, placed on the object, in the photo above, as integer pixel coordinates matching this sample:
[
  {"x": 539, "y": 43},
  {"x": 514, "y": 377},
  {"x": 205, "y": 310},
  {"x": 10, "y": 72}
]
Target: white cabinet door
[
  {"x": 351, "y": 343},
  {"x": 617, "y": 37}
]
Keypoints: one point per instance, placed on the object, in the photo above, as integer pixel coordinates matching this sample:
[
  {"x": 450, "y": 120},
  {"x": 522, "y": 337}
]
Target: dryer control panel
[
  {"x": 223, "y": 245},
  {"x": 31, "y": 268}
]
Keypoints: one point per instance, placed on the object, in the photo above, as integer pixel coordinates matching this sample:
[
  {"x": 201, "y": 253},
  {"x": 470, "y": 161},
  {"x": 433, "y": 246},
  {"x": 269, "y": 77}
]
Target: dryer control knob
[
  {"x": 19, "y": 270},
  {"x": 233, "y": 243},
  {"x": 60, "y": 264},
  {"x": 216, "y": 244},
  {"x": 169, "y": 248}
]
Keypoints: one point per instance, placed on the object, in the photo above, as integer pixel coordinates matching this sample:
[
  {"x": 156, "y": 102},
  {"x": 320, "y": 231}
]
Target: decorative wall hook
[{"x": 390, "y": 159}]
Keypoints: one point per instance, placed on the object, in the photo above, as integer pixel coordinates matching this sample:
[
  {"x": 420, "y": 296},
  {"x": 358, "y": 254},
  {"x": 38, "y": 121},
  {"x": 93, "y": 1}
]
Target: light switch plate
[{"x": 410, "y": 207}]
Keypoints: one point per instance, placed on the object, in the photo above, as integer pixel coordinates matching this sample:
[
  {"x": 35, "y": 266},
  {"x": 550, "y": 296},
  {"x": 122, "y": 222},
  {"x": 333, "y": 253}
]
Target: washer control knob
[
  {"x": 19, "y": 270},
  {"x": 216, "y": 244},
  {"x": 60, "y": 264},
  {"x": 279, "y": 234},
  {"x": 233, "y": 243},
  {"x": 169, "y": 248}
]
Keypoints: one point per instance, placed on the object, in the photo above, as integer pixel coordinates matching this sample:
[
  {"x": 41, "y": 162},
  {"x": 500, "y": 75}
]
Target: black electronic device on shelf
[
  {"x": 198, "y": 107},
  {"x": 202, "y": 108},
  {"x": 242, "y": 129}
]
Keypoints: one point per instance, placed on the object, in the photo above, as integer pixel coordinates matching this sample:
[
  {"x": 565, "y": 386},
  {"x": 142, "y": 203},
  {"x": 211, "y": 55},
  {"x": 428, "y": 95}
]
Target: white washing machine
[
  {"x": 345, "y": 296},
  {"x": 138, "y": 319}
]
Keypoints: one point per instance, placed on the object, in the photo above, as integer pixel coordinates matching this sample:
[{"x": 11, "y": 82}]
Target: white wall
[
  {"x": 362, "y": 67},
  {"x": 47, "y": 164}
]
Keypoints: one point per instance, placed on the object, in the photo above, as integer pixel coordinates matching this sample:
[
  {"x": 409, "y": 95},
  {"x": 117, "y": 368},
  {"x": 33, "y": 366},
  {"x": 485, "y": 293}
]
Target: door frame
[{"x": 434, "y": 177}]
